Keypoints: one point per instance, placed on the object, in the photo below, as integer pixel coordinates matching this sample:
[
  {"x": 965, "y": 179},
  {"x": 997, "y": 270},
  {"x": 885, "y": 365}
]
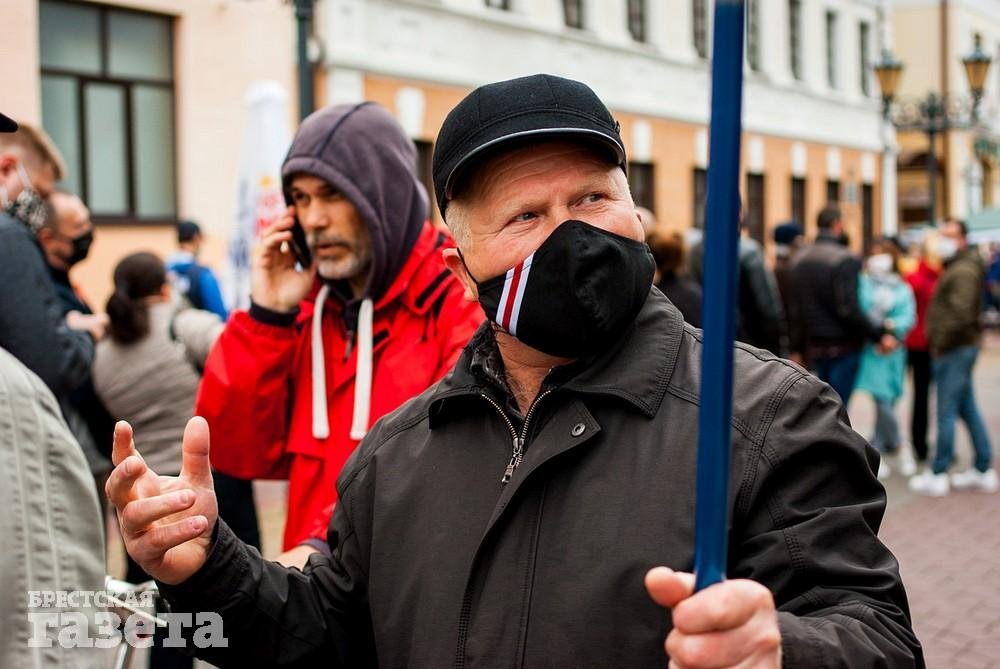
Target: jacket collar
[{"x": 637, "y": 369}]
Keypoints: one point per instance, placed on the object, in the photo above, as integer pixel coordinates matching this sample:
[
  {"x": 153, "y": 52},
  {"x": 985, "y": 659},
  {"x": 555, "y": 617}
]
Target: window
[
  {"x": 832, "y": 191},
  {"x": 425, "y": 160},
  {"x": 637, "y": 19},
  {"x": 753, "y": 35},
  {"x": 795, "y": 37},
  {"x": 498, "y": 4},
  {"x": 755, "y": 206},
  {"x": 108, "y": 103},
  {"x": 799, "y": 200},
  {"x": 700, "y": 191},
  {"x": 867, "y": 217},
  {"x": 699, "y": 23},
  {"x": 865, "y": 58},
  {"x": 831, "y": 49},
  {"x": 573, "y": 13},
  {"x": 642, "y": 184}
]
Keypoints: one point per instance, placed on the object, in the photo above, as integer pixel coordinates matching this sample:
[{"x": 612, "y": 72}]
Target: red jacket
[
  {"x": 257, "y": 389},
  {"x": 922, "y": 280}
]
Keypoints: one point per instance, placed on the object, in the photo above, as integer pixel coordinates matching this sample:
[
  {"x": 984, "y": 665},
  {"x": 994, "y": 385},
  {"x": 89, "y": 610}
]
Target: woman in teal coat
[{"x": 885, "y": 297}]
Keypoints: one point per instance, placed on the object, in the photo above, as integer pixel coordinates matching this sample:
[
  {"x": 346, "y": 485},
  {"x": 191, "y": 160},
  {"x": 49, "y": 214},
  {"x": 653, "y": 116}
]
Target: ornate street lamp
[{"x": 934, "y": 113}]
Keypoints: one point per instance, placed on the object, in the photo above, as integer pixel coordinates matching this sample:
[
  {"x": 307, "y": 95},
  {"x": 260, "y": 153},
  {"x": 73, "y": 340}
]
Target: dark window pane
[
  {"x": 831, "y": 49},
  {"x": 795, "y": 37},
  {"x": 832, "y": 191},
  {"x": 425, "y": 155},
  {"x": 61, "y": 119},
  {"x": 106, "y": 157},
  {"x": 753, "y": 34},
  {"x": 799, "y": 200},
  {"x": 153, "y": 148},
  {"x": 755, "y": 206},
  {"x": 498, "y": 4},
  {"x": 867, "y": 216},
  {"x": 700, "y": 191},
  {"x": 573, "y": 13},
  {"x": 641, "y": 181},
  {"x": 139, "y": 46},
  {"x": 865, "y": 58},
  {"x": 637, "y": 19},
  {"x": 69, "y": 37},
  {"x": 699, "y": 10}
]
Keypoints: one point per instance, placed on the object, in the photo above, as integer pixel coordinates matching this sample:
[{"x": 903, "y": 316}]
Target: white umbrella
[{"x": 259, "y": 197}]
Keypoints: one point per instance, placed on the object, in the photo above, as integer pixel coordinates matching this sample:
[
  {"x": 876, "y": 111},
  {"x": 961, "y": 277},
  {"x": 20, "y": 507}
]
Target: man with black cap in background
[
  {"x": 194, "y": 281},
  {"x": 514, "y": 514}
]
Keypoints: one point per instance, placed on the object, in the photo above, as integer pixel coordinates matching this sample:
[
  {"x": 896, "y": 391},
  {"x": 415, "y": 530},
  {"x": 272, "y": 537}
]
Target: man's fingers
[
  {"x": 668, "y": 587},
  {"x": 150, "y": 546},
  {"x": 722, "y": 606},
  {"x": 139, "y": 514},
  {"x": 714, "y": 650},
  {"x": 120, "y": 487},
  {"x": 123, "y": 445},
  {"x": 195, "y": 465}
]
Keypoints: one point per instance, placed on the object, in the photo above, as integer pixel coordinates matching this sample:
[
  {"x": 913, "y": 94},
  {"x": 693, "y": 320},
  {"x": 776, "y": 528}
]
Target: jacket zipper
[
  {"x": 518, "y": 440},
  {"x": 515, "y": 459}
]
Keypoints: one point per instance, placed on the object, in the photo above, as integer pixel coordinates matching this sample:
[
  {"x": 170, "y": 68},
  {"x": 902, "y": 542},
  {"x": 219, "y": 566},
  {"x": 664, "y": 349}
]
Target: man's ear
[{"x": 453, "y": 261}]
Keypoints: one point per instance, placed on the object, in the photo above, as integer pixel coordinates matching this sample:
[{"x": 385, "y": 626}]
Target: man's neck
[{"x": 525, "y": 367}]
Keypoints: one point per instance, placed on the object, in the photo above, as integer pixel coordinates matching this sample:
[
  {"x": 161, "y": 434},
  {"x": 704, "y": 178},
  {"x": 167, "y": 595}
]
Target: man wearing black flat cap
[{"x": 514, "y": 514}]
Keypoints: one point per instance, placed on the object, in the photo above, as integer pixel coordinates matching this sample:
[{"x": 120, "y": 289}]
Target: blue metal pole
[{"x": 719, "y": 301}]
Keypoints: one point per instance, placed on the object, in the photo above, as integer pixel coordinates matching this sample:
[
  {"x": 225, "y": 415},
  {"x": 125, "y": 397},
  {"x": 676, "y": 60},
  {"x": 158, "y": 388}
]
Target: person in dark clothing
[
  {"x": 669, "y": 252},
  {"x": 513, "y": 513},
  {"x": 760, "y": 318},
  {"x": 58, "y": 347},
  {"x": 788, "y": 239},
  {"x": 65, "y": 239},
  {"x": 834, "y": 326}
]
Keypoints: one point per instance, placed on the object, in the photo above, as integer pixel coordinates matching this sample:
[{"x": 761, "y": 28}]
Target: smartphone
[{"x": 299, "y": 246}]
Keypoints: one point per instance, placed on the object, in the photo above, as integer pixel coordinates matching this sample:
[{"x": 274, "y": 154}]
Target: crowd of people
[
  {"x": 448, "y": 402},
  {"x": 862, "y": 324}
]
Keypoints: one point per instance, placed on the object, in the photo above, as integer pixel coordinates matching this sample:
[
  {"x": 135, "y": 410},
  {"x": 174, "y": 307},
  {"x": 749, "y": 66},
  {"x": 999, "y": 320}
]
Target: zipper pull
[{"x": 515, "y": 460}]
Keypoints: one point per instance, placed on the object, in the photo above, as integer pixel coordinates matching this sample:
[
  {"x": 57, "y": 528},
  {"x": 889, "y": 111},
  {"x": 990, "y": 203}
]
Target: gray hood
[{"x": 362, "y": 151}]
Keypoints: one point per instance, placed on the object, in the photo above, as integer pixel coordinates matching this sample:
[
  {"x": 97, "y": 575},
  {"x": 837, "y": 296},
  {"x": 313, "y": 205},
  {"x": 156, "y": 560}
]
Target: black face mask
[
  {"x": 81, "y": 247},
  {"x": 573, "y": 296}
]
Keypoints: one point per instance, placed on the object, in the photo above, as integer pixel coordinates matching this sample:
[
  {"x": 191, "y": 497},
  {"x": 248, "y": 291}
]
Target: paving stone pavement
[{"x": 949, "y": 548}]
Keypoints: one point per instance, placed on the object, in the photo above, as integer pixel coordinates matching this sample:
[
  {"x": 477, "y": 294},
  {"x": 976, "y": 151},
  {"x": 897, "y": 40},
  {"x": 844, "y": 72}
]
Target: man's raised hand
[{"x": 166, "y": 521}]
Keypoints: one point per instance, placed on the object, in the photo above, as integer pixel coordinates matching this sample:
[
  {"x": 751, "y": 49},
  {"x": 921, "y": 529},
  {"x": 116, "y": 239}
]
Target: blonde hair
[{"x": 34, "y": 146}]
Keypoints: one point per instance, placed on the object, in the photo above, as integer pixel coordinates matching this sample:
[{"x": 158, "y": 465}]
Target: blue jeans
[
  {"x": 955, "y": 397},
  {"x": 839, "y": 372},
  {"x": 886, "y": 439}
]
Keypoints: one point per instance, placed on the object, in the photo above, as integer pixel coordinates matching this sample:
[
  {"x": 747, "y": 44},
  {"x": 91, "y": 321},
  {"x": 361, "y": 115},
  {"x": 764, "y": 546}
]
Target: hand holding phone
[{"x": 276, "y": 282}]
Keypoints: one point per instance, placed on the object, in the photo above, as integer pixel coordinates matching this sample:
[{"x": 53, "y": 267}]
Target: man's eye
[
  {"x": 525, "y": 216},
  {"x": 299, "y": 198},
  {"x": 594, "y": 197}
]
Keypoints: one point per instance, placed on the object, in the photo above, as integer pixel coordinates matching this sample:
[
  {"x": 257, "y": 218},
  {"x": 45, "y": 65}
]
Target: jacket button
[{"x": 578, "y": 429}]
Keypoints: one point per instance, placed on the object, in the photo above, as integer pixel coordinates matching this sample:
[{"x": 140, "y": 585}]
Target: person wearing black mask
[
  {"x": 514, "y": 514},
  {"x": 65, "y": 237}
]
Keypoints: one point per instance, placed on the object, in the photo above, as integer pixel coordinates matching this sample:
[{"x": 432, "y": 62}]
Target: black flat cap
[
  {"x": 7, "y": 124},
  {"x": 494, "y": 116}
]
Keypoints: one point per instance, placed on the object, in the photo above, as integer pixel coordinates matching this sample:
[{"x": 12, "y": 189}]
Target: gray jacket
[
  {"x": 51, "y": 528},
  {"x": 152, "y": 383},
  {"x": 439, "y": 564}
]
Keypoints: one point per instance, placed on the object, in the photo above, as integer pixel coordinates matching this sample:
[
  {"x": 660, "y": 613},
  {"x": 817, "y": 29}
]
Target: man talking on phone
[{"x": 341, "y": 332}]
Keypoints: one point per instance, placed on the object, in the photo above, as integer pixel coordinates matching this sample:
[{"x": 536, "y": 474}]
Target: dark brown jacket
[
  {"x": 953, "y": 315},
  {"x": 439, "y": 564}
]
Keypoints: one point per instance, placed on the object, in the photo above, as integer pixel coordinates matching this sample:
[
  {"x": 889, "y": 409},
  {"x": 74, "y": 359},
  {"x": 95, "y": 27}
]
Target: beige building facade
[
  {"x": 176, "y": 72},
  {"x": 930, "y": 38}
]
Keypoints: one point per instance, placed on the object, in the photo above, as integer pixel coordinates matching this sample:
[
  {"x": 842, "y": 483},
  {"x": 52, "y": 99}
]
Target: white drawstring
[
  {"x": 321, "y": 422},
  {"x": 363, "y": 376}
]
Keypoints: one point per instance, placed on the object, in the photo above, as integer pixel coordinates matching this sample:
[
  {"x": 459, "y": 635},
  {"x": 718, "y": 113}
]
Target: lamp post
[
  {"x": 934, "y": 113},
  {"x": 303, "y": 21}
]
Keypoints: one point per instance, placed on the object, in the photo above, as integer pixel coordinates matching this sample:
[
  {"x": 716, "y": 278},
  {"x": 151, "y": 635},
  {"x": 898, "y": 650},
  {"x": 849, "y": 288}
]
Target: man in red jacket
[{"x": 323, "y": 352}]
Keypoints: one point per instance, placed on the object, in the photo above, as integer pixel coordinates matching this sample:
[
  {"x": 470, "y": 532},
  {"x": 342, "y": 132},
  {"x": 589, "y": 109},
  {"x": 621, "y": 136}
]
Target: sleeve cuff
[
  {"x": 272, "y": 317},
  {"x": 218, "y": 580},
  {"x": 319, "y": 545}
]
